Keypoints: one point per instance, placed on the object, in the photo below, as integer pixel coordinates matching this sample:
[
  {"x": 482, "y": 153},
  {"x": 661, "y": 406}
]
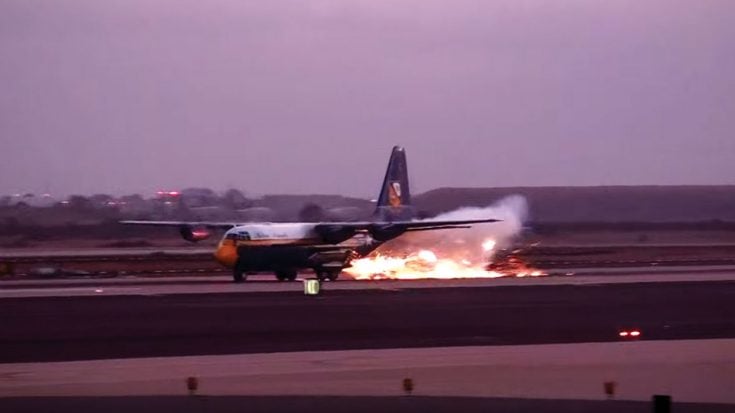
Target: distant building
[
  {"x": 31, "y": 200},
  {"x": 135, "y": 205},
  {"x": 256, "y": 214},
  {"x": 198, "y": 197}
]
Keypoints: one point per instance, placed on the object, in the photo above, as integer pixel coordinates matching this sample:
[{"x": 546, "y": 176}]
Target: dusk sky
[{"x": 309, "y": 97}]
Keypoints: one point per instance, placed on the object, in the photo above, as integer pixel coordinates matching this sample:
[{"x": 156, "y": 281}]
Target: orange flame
[{"x": 428, "y": 264}]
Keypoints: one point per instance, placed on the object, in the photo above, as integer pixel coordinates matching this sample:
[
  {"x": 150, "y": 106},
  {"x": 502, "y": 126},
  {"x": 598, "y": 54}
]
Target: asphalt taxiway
[{"x": 243, "y": 319}]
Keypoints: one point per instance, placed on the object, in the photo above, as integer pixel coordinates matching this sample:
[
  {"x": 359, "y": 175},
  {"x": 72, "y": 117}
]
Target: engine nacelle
[{"x": 194, "y": 234}]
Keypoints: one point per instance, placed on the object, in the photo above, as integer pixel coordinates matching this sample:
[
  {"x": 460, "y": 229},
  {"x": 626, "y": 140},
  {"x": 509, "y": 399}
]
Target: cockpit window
[{"x": 240, "y": 236}]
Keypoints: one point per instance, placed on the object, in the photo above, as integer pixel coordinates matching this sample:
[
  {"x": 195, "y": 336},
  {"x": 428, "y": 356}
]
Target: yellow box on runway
[{"x": 311, "y": 287}]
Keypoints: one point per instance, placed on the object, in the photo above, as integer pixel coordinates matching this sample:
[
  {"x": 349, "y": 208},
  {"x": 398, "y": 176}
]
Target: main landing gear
[
  {"x": 286, "y": 275},
  {"x": 239, "y": 275},
  {"x": 331, "y": 275}
]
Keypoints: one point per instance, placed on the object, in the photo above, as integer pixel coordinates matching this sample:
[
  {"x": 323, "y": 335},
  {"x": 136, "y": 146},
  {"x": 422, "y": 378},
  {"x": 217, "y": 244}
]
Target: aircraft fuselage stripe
[{"x": 278, "y": 241}]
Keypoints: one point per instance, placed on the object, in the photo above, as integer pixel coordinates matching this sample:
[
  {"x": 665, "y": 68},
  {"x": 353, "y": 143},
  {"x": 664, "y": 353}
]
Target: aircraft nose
[{"x": 226, "y": 253}]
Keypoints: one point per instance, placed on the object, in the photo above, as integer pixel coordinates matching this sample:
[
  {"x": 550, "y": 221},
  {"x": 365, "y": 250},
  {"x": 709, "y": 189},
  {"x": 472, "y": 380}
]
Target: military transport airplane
[{"x": 325, "y": 247}]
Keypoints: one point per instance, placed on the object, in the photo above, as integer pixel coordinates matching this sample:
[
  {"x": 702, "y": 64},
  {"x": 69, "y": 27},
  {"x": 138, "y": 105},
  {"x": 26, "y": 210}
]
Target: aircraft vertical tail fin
[{"x": 394, "y": 202}]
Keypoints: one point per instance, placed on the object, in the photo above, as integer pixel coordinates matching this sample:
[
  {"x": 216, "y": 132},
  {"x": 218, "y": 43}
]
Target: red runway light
[{"x": 629, "y": 333}]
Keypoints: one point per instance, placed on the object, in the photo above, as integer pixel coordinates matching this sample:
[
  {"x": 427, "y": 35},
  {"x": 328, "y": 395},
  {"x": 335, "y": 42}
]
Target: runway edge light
[
  {"x": 630, "y": 334},
  {"x": 408, "y": 385},
  {"x": 609, "y": 387},
  {"x": 192, "y": 384},
  {"x": 661, "y": 403}
]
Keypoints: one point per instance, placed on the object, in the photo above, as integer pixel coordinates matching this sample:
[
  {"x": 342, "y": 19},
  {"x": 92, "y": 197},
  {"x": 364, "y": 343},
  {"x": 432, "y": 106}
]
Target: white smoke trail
[{"x": 467, "y": 244}]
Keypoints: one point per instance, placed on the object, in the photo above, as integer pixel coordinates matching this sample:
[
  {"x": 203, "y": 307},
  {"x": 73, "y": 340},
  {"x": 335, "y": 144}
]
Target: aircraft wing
[
  {"x": 223, "y": 225},
  {"x": 429, "y": 225},
  {"x": 424, "y": 225}
]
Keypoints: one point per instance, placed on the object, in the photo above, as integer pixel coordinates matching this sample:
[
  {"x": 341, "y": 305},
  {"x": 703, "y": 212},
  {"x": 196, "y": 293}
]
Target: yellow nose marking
[{"x": 226, "y": 253}]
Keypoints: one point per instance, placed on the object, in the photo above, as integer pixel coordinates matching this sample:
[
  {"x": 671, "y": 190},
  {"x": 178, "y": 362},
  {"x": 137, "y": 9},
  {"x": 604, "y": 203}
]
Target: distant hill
[
  {"x": 598, "y": 204},
  {"x": 287, "y": 207},
  {"x": 548, "y": 205}
]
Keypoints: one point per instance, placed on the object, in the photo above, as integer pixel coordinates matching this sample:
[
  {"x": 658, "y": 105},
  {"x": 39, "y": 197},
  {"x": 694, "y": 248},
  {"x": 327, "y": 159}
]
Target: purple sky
[{"x": 123, "y": 96}]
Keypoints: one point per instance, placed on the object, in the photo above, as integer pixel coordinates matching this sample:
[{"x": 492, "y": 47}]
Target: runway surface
[
  {"x": 218, "y": 284},
  {"x": 389, "y": 315}
]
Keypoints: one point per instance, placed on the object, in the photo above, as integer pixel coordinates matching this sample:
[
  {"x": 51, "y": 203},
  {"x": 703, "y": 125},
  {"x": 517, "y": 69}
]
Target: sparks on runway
[{"x": 428, "y": 264}]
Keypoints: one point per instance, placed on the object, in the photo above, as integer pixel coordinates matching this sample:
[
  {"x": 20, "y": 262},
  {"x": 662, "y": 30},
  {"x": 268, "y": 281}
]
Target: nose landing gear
[{"x": 238, "y": 275}]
